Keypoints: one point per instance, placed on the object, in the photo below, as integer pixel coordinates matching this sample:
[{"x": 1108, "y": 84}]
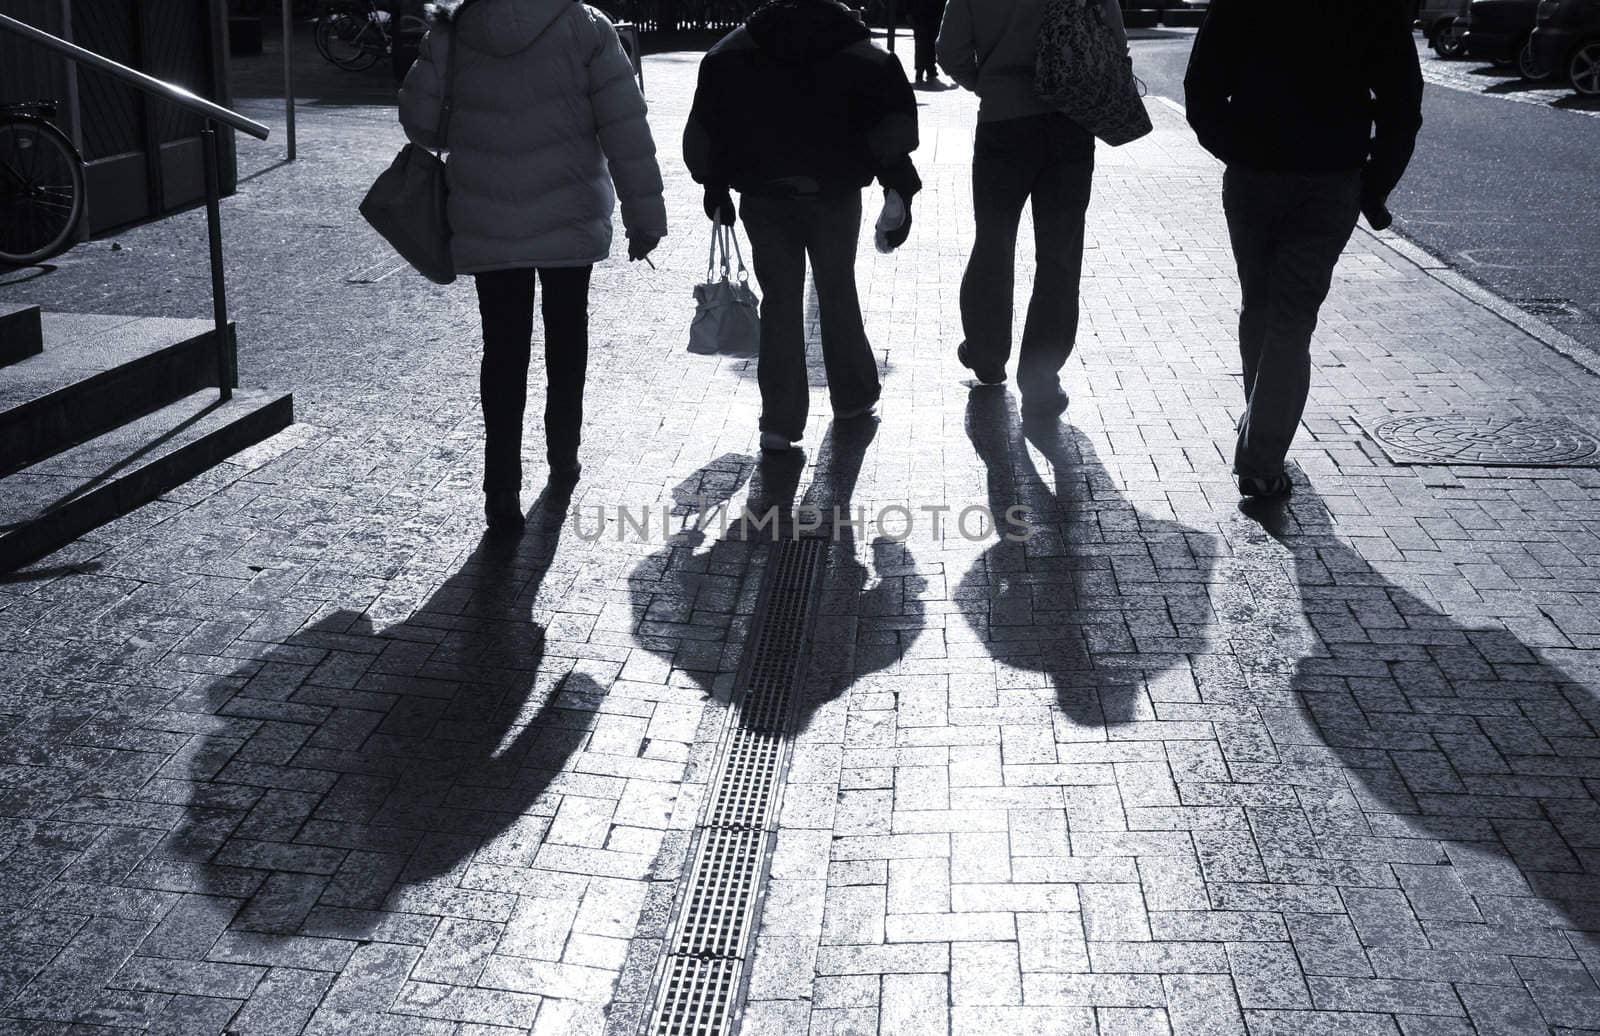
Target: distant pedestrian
[
  {"x": 548, "y": 128},
  {"x": 925, "y": 18},
  {"x": 1312, "y": 137},
  {"x": 1024, "y": 149},
  {"x": 798, "y": 111}
]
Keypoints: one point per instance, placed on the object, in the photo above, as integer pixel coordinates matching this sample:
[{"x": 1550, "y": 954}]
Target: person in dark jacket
[
  {"x": 925, "y": 18},
  {"x": 1311, "y": 139},
  {"x": 798, "y": 111}
]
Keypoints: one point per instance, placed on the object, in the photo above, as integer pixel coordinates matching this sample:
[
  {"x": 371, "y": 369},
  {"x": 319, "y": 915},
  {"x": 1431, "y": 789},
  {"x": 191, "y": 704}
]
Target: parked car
[
  {"x": 1438, "y": 20},
  {"x": 1566, "y": 40},
  {"x": 1498, "y": 30}
]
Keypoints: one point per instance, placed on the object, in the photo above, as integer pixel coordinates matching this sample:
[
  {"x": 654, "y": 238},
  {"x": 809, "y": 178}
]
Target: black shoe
[
  {"x": 988, "y": 374},
  {"x": 502, "y": 508},
  {"x": 1045, "y": 408},
  {"x": 1266, "y": 487}
]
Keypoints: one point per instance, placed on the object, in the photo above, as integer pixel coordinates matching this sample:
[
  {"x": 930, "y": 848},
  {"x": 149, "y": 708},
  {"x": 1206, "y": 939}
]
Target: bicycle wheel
[
  {"x": 41, "y": 192},
  {"x": 351, "y": 42}
]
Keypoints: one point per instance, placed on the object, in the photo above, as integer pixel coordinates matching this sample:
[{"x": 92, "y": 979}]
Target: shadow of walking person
[
  {"x": 1101, "y": 600},
  {"x": 1466, "y": 763},
  {"x": 868, "y": 618},
  {"x": 685, "y": 596},
  {"x": 356, "y": 779}
]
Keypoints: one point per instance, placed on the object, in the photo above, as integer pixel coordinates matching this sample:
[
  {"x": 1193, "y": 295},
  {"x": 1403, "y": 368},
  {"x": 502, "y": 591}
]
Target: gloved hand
[
  {"x": 1377, "y": 212},
  {"x": 894, "y": 222},
  {"x": 640, "y": 246},
  {"x": 897, "y": 237},
  {"x": 719, "y": 206}
]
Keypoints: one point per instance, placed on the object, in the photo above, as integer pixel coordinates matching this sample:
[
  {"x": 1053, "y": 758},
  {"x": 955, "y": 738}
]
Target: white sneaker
[{"x": 772, "y": 442}]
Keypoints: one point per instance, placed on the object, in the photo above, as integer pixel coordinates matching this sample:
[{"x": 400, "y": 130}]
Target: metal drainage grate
[
  {"x": 699, "y": 984},
  {"x": 1523, "y": 442}
]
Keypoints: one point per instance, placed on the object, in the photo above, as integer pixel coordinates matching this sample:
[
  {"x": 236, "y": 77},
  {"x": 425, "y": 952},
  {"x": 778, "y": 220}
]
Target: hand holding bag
[
  {"x": 407, "y": 204},
  {"x": 1082, "y": 67},
  {"x": 727, "y": 314}
]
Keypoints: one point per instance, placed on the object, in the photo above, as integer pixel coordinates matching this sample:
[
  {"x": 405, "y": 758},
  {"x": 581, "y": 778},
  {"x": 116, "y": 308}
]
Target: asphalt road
[{"x": 1504, "y": 187}]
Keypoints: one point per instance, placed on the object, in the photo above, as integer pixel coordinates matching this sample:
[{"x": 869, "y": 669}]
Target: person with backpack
[
  {"x": 1312, "y": 138},
  {"x": 546, "y": 130},
  {"x": 798, "y": 111},
  {"x": 1025, "y": 149}
]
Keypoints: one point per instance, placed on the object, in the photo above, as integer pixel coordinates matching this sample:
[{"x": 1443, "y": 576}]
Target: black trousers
[
  {"x": 505, "y": 302},
  {"x": 1288, "y": 231},
  {"x": 783, "y": 233},
  {"x": 1050, "y": 160}
]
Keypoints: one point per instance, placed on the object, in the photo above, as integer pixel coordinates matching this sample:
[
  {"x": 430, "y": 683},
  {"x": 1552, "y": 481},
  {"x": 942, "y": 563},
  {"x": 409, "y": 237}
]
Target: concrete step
[
  {"x": 20, "y": 335},
  {"x": 95, "y": 373},
  {"x": 51, "y": 503}
]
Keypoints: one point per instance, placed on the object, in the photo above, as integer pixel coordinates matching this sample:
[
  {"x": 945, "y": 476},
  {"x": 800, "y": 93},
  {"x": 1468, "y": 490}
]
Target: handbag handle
[
  {"x": 725, "y": 253},
  {"x": 447, "y": 99}
]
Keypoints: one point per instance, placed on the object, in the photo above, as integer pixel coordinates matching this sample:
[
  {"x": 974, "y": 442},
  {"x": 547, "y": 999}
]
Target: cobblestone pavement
[{"x": 293, "y": 749}]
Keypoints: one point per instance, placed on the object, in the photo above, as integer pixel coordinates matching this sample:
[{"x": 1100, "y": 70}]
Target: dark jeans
[
  {"x": 505, "y": 302},
  {"x": 1288, "y": 230},
  {"x": 925, "y": 30},
  {"x": 1050, "y": 159},
  {"x": 783, "y": 232}
]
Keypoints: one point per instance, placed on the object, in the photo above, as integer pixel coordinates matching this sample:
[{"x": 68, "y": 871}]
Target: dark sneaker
[
  {"x": 851, "y": 413},
  {"x": 988, "y": 374},
  {"x": 1265, "y": 487},
  {"x": 1047, "y": 407},
  {"x": 772, "y": 442},
  {"x": 502, "y": 509}
]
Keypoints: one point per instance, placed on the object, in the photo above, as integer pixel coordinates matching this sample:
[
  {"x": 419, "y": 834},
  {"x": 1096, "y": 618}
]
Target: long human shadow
[
  {"x": 868, "y": 618},
  {"x": 1101, "y": 599},
  {"x": 355, "y": 764},
  {"x": 1473, "y": 759}
]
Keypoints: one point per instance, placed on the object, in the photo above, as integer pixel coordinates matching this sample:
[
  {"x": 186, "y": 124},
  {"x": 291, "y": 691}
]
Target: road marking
[{"x": 1453, "y": 76}]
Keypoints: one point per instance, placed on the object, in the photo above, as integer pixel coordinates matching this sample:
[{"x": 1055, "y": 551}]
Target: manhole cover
[{"x": 1523, "y": 442}]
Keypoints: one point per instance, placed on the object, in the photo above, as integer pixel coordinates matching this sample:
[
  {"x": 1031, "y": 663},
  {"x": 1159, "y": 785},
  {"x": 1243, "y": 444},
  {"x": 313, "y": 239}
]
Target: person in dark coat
[
  {"x": 925, "y": 18},
  {"x": 798, "y": 111},
  {"x": 1311, "y": 138}
]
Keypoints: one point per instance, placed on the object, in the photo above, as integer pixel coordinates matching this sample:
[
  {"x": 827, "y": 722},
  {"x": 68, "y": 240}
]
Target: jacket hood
[
  {"x": 501, "y": 27},
  {"x": 802, "y": 31}
]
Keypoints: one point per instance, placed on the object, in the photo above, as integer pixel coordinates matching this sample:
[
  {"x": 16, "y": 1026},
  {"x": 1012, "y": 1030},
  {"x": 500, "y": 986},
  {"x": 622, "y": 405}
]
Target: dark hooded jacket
[
  {"x": 1351, "y": 99},
  {"x": 798, "y": 102}
]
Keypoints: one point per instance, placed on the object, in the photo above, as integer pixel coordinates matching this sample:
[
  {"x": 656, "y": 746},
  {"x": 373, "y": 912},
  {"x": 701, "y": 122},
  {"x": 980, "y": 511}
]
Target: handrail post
[
  {"x": 288, "y": 72},
  {"x": 219, "y": 287}
]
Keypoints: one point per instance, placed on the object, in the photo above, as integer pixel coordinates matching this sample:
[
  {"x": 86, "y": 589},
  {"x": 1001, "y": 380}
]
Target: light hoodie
[
  {"x": 988, "y": 47},
  {"x": 547, "y": 117}
]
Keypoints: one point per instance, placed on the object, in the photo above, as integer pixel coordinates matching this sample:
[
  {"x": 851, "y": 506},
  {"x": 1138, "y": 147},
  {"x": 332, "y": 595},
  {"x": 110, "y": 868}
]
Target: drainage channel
[{"x": 698, "y": 985}]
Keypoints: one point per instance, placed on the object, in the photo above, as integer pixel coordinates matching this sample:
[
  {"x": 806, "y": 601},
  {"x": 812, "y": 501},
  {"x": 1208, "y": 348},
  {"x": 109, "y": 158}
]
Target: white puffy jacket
[{"x": 546, "y": 116}]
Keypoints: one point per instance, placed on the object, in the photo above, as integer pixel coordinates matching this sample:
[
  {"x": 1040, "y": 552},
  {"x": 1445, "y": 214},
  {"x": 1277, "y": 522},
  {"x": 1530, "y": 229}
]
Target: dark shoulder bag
[{"x": 407, "y": 203}]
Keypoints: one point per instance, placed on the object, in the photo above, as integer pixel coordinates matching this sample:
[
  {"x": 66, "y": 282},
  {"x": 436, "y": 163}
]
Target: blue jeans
[
  {"x": 1288, "y": 231},
  {"x": 1050, "y": 159}
]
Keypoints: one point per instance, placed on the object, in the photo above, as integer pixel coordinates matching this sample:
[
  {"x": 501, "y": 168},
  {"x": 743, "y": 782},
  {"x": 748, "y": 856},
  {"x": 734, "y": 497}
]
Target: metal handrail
[
  {"x": 213, "y": 113},
  {"x": 133, "y": 77}
]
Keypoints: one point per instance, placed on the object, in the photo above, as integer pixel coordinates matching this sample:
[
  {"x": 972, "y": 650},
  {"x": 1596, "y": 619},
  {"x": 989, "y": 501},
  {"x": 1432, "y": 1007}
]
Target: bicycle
[
  {"x": 354, "y": 34},
  {"x": 41, "y": 185}
]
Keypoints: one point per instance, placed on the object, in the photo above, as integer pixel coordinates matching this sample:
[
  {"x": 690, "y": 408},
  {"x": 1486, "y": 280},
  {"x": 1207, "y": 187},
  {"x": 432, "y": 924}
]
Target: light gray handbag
[
  {"x": 727, "y": 314},
  {"x": 1082, "y": 67}
]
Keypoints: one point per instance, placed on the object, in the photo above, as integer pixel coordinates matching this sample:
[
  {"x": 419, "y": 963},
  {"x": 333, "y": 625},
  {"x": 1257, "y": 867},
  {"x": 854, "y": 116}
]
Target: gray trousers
[{"x": 1288, "y": 230}]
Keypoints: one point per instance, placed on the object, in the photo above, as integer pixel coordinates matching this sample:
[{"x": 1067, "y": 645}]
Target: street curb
[
  {"x": 1510, "y": 312},
  {"x": 1438, "y": 270}
]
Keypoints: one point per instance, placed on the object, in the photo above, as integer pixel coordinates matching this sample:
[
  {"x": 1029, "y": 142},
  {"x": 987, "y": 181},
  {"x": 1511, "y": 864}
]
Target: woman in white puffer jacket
[{"x": 547, "y": 130}]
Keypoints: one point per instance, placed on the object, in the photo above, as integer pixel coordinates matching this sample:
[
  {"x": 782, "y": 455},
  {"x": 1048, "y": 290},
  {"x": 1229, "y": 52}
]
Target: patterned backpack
[{"x": 1082, "y": 67}]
